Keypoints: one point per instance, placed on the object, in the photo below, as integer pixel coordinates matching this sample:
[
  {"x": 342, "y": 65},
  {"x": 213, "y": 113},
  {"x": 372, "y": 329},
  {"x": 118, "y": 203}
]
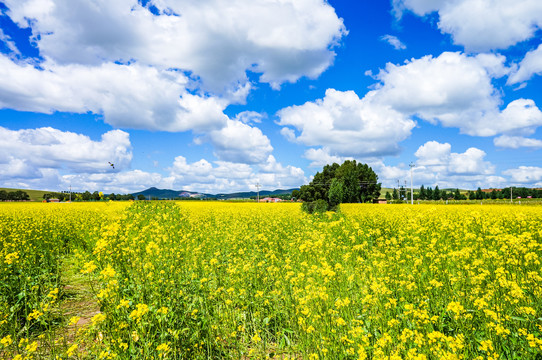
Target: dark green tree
[
  {"x": 359, "y": 184},
  {"x": 86, "y": 196},
  {"x": 388, "y": 196},
  {"x": 457, "y": 195},
  {"x": 336, "y": 192},
  {"x": 429, "y": 194},
  {"x": 436, "y": 193},
  {"x": 423, "y": 193}
]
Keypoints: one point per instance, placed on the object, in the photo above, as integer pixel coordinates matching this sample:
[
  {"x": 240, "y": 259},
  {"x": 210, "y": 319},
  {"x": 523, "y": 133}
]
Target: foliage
[
  {"x": 18, "y": 195},
  {"x": 34, "y": 238},
  {"x": 350, "y": 182},
  {"x": 315, "y": 207},
  {"x": 200, "y": 280}
]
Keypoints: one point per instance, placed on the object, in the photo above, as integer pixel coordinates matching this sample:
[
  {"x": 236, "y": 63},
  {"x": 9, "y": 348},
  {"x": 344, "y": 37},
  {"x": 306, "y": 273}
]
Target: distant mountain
[
  {"x": 169, "y": 194},
  {"x": 248, "y": 194},
  {"x": 179, "y": 194}
]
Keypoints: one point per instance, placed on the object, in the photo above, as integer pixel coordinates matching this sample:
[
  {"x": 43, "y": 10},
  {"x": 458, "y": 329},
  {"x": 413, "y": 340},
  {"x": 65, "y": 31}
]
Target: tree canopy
[{"x": 350, "y": 182}]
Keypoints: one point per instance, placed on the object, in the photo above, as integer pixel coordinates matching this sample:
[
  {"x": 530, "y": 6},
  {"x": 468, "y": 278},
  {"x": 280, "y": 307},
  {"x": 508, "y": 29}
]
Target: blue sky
[{"x": 217, "y": 96}]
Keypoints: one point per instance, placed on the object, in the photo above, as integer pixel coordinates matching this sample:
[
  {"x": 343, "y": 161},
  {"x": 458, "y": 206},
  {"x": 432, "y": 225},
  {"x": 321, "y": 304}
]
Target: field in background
[{"x": 198, "y": 280}]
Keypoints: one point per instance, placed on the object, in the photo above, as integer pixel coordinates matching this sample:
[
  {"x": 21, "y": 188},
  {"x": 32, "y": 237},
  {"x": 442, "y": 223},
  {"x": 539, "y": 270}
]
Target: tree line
[
  {"x": 437, "y": 194},
  {"x": 86, "y": 196},
  {"x": 17, "y": 195}
]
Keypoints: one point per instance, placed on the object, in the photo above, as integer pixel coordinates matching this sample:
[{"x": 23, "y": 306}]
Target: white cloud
[
  {"x": 481, "y": 25},
  {"x": 240, "y": 143},
  {"x": 282, "y": 40},
  {"x": 393, "y": 41},
  {"x": 121, "y": 183},
  {"x": 456, "y": 90},
  {"x": 529, "y": 66},
  {"x": 321, "y": 157},
  {"x": 347, "y": 125},
  {"x": 515, "y": 142},
  {"x": 471, "y": 162},
  {"x": 249, "y": 117},
  {"x": 437, "y": 165},
  {"x": 526, "y": 175},
  {"x": 133, "y": 96},
  {"x": 26, "y": 152},
  {"x": 274, "y": 175},
  {"x": 227, "y": 177}
]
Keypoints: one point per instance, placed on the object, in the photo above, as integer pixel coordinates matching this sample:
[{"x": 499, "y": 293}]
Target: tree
[
  {"x": 86, "y": 196},
  {"x": 388, "y": 196},
  {"x": 354, "y": 182},
  {"x": 429, "y": 194},
  {"x": 436, "y": 193},
  {"x": 336, "y": 192},
  {"x": 493, "y": 194},
  {"x": 395, "y": 194},
  {"x": 457, "y": 195},
  {"x": 140, "y": 197},
  {"x": 423, "y": 193}
]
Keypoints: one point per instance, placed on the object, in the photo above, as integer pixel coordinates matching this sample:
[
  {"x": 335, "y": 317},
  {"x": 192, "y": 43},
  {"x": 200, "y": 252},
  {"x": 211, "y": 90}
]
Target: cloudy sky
[{"x": 217, "y": 96}]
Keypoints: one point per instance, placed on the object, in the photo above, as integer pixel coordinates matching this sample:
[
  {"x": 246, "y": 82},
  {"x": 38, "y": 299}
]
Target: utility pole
[
  {"x": 258, "y": 191},
  {"x": 511, "y": 195},
  {"x": 411, "y": 187},
  {"x": 70, "y": 192}
]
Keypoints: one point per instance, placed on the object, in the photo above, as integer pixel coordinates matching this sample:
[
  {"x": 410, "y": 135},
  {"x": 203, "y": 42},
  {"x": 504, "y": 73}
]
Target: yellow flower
[
  {"x": 71, "y": 350},
  {"x": 98, "y": 318},
  {"x": 89, "y": 267},
  {"x": 163, "y": 347},
  {"x": 32, "y": 347},
  {"x": 256, "y": 338},
  {"x": 6, "y": 341},
  {"x": 74, "y": 320}
]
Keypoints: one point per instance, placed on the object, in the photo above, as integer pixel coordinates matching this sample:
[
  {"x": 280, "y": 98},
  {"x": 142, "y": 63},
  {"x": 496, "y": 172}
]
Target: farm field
[{"x": 217, "y": 280}]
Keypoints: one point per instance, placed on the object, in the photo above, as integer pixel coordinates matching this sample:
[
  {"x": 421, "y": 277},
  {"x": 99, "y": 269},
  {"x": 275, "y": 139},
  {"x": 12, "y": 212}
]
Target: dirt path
[{"x": 78, "y": 300}]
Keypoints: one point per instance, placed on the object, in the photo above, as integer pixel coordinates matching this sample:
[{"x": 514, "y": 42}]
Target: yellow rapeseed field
[{"x": 200, "y": 280}]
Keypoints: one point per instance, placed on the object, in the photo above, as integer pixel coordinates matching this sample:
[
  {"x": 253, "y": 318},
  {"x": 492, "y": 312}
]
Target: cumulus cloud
[
  {"x": 346, "y": 125},
  {"x": 529, "y": 66},
  {"x": 122, "y": 182},
  {"x": 26, "y": 152},
  {"x": 281, "y": 40},
  {"x": 130, "y": 96},
  {"x": 240, "y": 143},
  {"x": 473, "y": 23},
  {"x": 321, "y": 157},
  {"x": 393, "y": 41},
  {"x": 436, "y": 164},
  {"x": 516, "y": 142},
  {"x": 525, "y": 175},
  {"x": 456, "y": 90},
  {"x": 224, "y": 176}
]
